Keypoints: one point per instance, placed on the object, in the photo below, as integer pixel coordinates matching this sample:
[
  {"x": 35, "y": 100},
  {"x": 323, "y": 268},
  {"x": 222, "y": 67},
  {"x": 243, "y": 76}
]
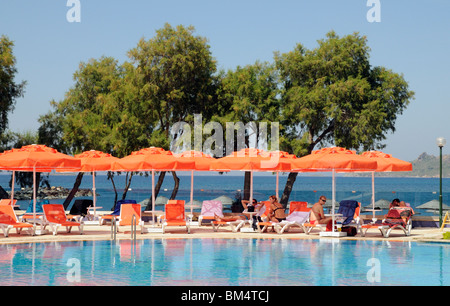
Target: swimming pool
[{"x": 225, "y": 262}]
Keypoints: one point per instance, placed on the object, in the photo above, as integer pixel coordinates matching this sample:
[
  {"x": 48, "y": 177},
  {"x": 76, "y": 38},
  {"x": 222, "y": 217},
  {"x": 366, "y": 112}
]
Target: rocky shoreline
[{"x": 49, "y": 193}]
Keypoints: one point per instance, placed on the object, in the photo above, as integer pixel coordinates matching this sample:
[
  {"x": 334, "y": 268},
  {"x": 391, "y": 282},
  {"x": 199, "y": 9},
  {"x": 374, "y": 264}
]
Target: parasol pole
[
  {"x": 251, "y": 188},
  {"x": 333, "y": 187},
  {"x": 192, "y": 191},
  {"x": 34, "y": 195},
  {"x": 95, "y": 194},
  {"x": 373, "y": 195},
  {"x": 12, "y": 186},
  {"x": 153, "y": 197},
  {"x": 277, "y": 186}
]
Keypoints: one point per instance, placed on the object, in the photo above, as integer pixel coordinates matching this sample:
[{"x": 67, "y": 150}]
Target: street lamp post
[{"x": 441, "y": 143}]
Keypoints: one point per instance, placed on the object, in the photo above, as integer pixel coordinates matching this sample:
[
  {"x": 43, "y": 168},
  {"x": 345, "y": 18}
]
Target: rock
[{"x": 49, "y": 193}]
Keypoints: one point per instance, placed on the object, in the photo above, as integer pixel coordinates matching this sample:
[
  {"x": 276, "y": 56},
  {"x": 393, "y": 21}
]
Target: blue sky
[{"x": 412, "y": 38}]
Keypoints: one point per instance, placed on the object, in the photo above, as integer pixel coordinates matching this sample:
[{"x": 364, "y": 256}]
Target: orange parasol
[
  {"x": 151, "y": 159},
  {"x": 386, "y": 163},
  {"x": 335, "y": 159},
  {"x": 93, "y": 161},
  {"x": 36, "y": 158},
  {"x": 251, "y": 159},
  {"x": 202, "y": 161},
  {"x": 39, "y": 158}
]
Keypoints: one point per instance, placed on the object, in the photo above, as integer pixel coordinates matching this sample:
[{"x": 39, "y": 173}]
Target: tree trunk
[
  {"x": 3, "y": 193},
  {"x": 111, "y": 177},
  {"x": 177, "y": 185},
  {"x": 74, "y": 190},
  {"x": 247, "y": 185},
  {"x": 288, "y": 188},
  {"x": 127, "y": 184}
]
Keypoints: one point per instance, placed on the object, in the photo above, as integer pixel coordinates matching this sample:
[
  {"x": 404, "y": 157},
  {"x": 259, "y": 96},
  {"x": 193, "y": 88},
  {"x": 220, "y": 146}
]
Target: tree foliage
[
  {"x": 175, "y": 74},
  {"x": 332, "y": 95},
  {"x": 9, "y": 89}
]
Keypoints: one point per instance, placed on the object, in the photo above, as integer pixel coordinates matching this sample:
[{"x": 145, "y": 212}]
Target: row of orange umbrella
[{"x": 39, "y": 158}]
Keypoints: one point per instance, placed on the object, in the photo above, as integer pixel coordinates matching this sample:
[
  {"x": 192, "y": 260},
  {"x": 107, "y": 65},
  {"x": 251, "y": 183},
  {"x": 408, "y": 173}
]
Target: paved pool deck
[{"x": 103, "y": 232}]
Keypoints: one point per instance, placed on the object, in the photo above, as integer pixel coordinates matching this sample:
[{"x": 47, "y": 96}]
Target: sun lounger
[
  {"x": 392, "y": 221},
  {"x": 116, "y": 212},
  {"x": 8, "y": 202},
  {"x": 209, "y": 210},
  {"x": 127, "y": 211},
  {"x": 298, "y": 206},
  {"x": 55, "y": 216},
  {"x": 239, "y": 224},
  {"x": 262, "y": 226},
  {"x": 349, "y": 209},
  {"x": 8, "y": 221},
  {"x": 80, "y": 209},
  {"x": 28, "y": 215},
  {"x": 296, "y": 218},
  {"x": 234, "y": 225},
  {"x": 175, "y": 215}
]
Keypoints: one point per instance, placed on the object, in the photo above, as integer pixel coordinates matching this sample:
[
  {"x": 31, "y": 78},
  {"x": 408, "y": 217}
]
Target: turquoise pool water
[{"x": 226, "y": 262}]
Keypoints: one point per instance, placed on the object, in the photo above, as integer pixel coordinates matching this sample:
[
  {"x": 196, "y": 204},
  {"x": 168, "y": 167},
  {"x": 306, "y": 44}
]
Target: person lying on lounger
[{"x": 228, "y": 218}]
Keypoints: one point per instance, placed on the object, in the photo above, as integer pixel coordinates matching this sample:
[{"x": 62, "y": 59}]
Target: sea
[{"x": 229, "y": 187}]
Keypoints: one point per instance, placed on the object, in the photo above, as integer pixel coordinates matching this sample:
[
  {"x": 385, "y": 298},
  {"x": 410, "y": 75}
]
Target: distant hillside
[{"x": 425, "y": 166}]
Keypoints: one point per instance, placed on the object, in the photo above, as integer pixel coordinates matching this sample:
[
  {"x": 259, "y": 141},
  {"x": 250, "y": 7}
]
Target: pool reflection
[{"x": 238, "y": 262}]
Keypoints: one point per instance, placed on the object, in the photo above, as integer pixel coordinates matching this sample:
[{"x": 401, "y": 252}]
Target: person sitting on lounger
[
  {"x": 317, "y": 215},
  {"x": 395, "y": 203},
  {"x": 398, "y": 214},
  {"x": 250, "y": 207},
  {"x": 276, "y": 210}
]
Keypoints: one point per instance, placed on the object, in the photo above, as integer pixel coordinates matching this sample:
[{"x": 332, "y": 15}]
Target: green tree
[
  {"x": 332, "y": 95},
  {"x": 9, "y": 89},
  {"x": 122, "y": 108},
  {"x": 249, "y": 94},
  {"x": 174, "y": 72},
  {"x": 86, "y": 115}
]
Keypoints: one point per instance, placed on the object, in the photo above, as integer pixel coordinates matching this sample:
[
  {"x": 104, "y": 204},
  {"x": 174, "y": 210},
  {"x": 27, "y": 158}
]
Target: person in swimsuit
[
  {"x": 276, "y": 210},
  {"x": 317, "y": 215},
  {"x": 394, "y": 203},
  {"x": 249, "y": 207}
]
